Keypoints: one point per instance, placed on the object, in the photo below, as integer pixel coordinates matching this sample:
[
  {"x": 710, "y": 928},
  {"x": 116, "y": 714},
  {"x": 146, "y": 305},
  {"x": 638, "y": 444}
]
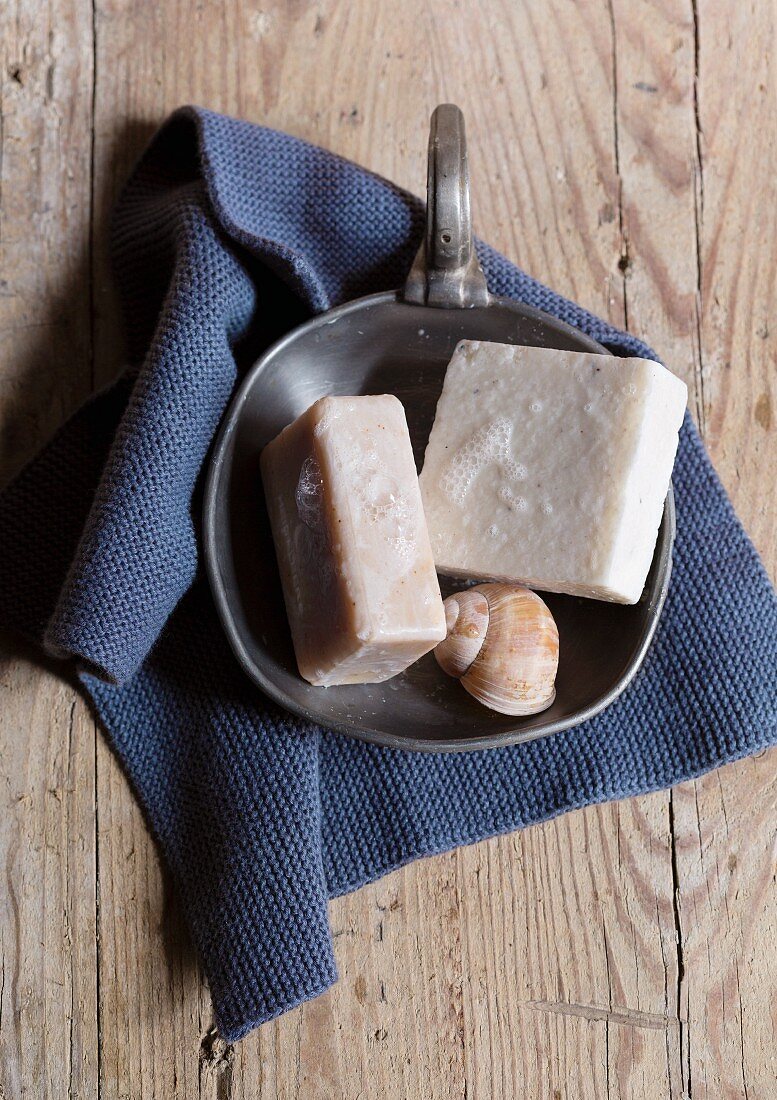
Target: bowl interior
[{"x": 383, "y": 345}]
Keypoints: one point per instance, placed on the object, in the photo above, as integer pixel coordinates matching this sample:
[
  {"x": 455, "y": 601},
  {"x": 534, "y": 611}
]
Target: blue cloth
[{"x": 226, "y": 235}]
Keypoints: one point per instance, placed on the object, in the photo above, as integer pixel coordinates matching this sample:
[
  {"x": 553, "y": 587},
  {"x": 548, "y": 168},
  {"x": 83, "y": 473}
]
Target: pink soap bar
[{"x": 350, "y": 534}]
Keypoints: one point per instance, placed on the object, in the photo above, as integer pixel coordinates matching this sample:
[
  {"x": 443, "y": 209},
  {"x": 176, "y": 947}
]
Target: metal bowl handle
[{"x": 446, "y": 272}]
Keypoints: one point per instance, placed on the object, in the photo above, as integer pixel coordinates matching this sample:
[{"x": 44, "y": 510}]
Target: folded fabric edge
[
  {"x": 242, "y": 1001},
  {"x": 464, "y": 840},
  {"x": 295, "y": 269}
]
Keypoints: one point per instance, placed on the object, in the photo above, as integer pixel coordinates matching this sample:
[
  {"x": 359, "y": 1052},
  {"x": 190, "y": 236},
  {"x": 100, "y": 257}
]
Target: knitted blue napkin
[{"x": 226, "y": 235}]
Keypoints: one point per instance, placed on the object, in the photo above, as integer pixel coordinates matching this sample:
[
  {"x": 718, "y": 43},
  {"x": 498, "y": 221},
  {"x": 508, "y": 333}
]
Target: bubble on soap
[
  {"x": 383, "y": 504},
  {"x": 403, "y": 544},
  {"x": 493, "y": 531},
  {"x": 630, "y": 389},
  {"x": 379, "y": 495},
  {"x": 332, "y": 412},
  {"x": 587, "y": 407},
  {"x": 517, "y": 503},
  {"x": 547, "y": 508},
  {"x": 488, "y": 445},
  {"x": 310, "y": 495},
  {"x": 514, "y": 470},
  {"x": 535, "y": 406},
  {"x": 316, "y": 547}
]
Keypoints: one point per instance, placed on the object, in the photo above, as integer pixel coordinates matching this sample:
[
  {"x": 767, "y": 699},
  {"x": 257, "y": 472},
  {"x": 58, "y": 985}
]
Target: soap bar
[
  {"x": 350, "y": 535},
  {"x": 550, "y": 468}
]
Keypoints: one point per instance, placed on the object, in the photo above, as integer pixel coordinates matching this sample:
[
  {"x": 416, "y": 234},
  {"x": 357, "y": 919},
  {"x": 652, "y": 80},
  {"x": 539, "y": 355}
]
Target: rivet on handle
[{"x": 446, "y": 272}]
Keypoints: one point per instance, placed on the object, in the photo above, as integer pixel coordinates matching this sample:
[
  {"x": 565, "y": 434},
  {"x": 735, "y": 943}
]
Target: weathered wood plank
[
  {"x": 48, "y": 997},
  {"x": 726, "y": 846},
  {"x": 154, "y": 1012},
  {"x": 656, "y": 143},
  {"x": 570, "y": 940},
  {"x": 737, "y": 121}
]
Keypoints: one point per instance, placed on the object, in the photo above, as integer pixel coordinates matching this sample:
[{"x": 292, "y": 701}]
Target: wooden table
[{"x": 625, "y": 153}]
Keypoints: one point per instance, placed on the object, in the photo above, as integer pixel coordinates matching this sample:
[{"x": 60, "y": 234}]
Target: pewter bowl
[{"x": 401, "y": 342}]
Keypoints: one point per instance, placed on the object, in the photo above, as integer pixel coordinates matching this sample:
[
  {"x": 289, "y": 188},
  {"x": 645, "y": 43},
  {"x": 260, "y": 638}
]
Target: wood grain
[
  {"x": 625, "y": 154},
  {"x": 48, "y": 994},
  {"x": 725, "y": 840}
]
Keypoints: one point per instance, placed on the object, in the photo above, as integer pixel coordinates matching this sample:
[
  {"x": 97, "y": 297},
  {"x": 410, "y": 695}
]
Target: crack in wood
[
  {"x": 97, "y": 941},
  {"x": 71, "y": 1084},
  {"x": 12, "y": 896},
  {"x": 698, "y": 211},
  {"x": 670, "y": 1065},
  {"x": 71, "y": 1024},
  {"x": 298, "y": 1051},
  {"x": 217, "y": 1058},
  {"x": 2, "y": 153},
  {"x": 685, "y": 1072},
  {"x": 608, "y": 1015},
  {"x": 92, "y": 199},
  {"x": 741, "y": 1029},
  {"x": 624, "y": 260},
  {"x": 92, "y": 374}
]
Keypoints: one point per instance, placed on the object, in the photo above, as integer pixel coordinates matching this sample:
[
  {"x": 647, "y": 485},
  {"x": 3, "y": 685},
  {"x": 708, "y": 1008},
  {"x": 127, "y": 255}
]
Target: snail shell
[{"x": 502, "y": 644}]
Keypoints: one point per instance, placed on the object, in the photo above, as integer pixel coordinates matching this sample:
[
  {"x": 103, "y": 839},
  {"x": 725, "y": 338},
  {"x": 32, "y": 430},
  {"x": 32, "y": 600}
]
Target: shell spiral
[{"x": 502, "y": 645}]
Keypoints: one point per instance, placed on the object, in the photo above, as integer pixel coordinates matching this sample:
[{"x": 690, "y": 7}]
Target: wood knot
[{"x": 763, "y": 411}]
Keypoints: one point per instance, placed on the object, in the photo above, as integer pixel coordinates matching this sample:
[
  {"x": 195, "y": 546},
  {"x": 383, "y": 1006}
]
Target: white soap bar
[
  {"x": 551, "y": 468},
  {"x": 356, "y": 566}
]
